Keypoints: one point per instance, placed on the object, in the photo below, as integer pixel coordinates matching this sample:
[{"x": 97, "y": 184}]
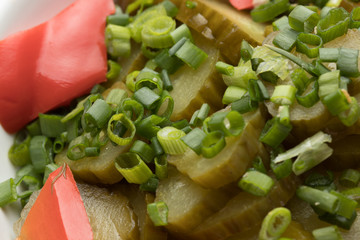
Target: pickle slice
[
  {"x": 189, "y": 204},
  {"x": 222, "y": 24},
  {"x": 245, "y": 211},
  {"x": 230, "y": 164}
]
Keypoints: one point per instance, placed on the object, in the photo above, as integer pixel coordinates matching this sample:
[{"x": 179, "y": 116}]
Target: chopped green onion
[
  {"x": 177, "y": 46},
  {"x": 73, "y": 128},
  {"x": 156, "y": 146},
  {"x": 194, "y": 139},
  {"x": 149, "y": 126},
  {"x": 34, "y": 128},
  {"x": 353, "y": 193},
  {"x": 333, "y": 25},
  {"x": 302, "y": 19},
  {"x": 147, "y": 98},
  {"x": 171, "y": 9},
  {"x": 156, "y": 32},
  {"x": 180, "y": 124},
  {"x": 351, "y": 116},
  {"x": 51, "y": 125},
  {"x": 149, "y": 78},
  {"x": 282, "y": 169},
  {"x": 338, "y": 220},
  {"x": 192, "y": 55},
  {"x": 119, "y": 18},
  {"x": 150, "y": 185},
  {"x": 327, "y": 233},
  {"x": 75, "y": 112},
  {"x": 258, "y": 165},
  {"x": 270, "y": 10},
  {"x": 244, "y": 104},
  {"x": 281, "y": 24},
  {"x": 328, "y": 83},
  {"x": 355, "y": 18},
  {"x": 41, "y": 152},
  {"x": 161, "y": 167},
  {"x": 300, "y": 79},
  {"x": 132, "y": 109},
  {"x": 59, "y": 143},
  {"x": 224, "y": 68},
  {"x": 165, "y": 100},
  {"x": 212, "y": 144},
  {"x": 144, "y": 150},
  {"x": 336, "y": 102},
  {"x": 319, "y": 181},
  {"x": 242, "y": 75},
  {"x": 329, "y": 54},
  {"x": 286, "y": 39},
  {"x": 116, "y": 96},
  {"x": 346, "y": 206},
  {"x": 348, "y": 62},
  {"x": 18, "y": 153},
  {"x": 257, "y": 90},
  {"x": 170, "y": 140},
  {"x": 158, "y": 213},
  {"x": 168, "y": 62},
  {"x": 232, "y": 94},
  {"x": 92, "y": 151},
  {"x": 98, "y": 114},
  {"x": 130, "y": 80},
  {"x": 8, "y": 192},
  {"x": 133, "y": 168},
  {"x": 77, "y": 147},
  {"x": 246, "y": 51},
  {"x": 127, "y": 123},
  {"x": 27, "y": 170},
  {"x": 256, "y": 183},
  {"x": 199, "y": 116},
  {"x": 350, "y": 178},
  {"x": 49, "y": 169},
  {"x": 166, "y": 80},
  {"x": 283, "y": 95},
  {"x": 274, "y": 132},
  {"x": 230, "y": 123},
  {"x": 275, "y": 223},
  {"x": 321, "y": 199},
  {"x": 97, "y": 89},
  {"x": 190, "y": 4},
  {"x": 117, "y": 40},
  {"x": 181, "y": 32},
  {"x": 309, "y": 44},
  {"x": 113, "y": 70}
]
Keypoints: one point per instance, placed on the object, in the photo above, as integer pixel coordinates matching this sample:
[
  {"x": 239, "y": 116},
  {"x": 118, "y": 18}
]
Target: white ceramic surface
[{"x": 17, "y": 15}]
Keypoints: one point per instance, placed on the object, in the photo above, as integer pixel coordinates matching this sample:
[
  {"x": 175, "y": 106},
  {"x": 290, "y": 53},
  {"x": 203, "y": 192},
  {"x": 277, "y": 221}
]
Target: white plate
[{"x": 17, "y": 15}]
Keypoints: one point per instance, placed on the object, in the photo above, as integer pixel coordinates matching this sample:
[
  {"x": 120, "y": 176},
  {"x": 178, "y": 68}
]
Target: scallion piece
[
  {"x": 246, "y": 50},
  {"x": 170, "y": 63},
  {"x": 133, "y": 168},
  {"x": 244, "y": 104},
  {"x": 171, "y": 9},
  {"x": 150, "y": 185},
  {"x": 282, "y": 169},
  {"x": 132, "y": 109},
  {"x": 302, "y": 19},
  {"x": 117, "y": 40},
  {"x": 190, "y": 4},
  {"x": 180, "y": 124},
  {"x": 127, "y": 123},
  {"x": 130, "y": 80},
  {"x": 350, "y": 178},
  {"x": 328, "y": 83},
  {"x": 49, "y": 169},
  {"x": 212, "y": 144},
  {"x": 51, "y": 125},
  {"x": 353, "y": 193},
  {"x": 274, "y": 132},
  {"x": 300, "y": 79},
  {"x": 8, "y": 192},
  {"x": 161, "y": 167},
  {"x": 355, "y": 18},
  {"x": 194, "y": 139},
  {"x": 327, "y": 233},
  {"x": 116, "y": 96},
  {"x": 256, "y": 183},
  {"x": 199, "y": 116},
  {"x": 77, "y": 147},
  {"x": 275, "y": 223},
  {"x": 58, "y": 144},
  {"x": 156, "y": 32},
  {"x": 158, "y": 213},
  {"x": 118, "y": 18},
  {"x": 156, "y": 146},
  {"x": 92, "y": 151},
  {"x": 149, "y": 78},
  {"x": 147, "y": 98},
  {"x": 333, "y": 25},
  {"x": 33, "y": 128},
  {"x": 310, "y": 98},
  {"x": 190, "y": 54},
  {"x": 329, "y": 54},
  {"x": 113, "y": 70},
  {"x": 181, "y": 32},
  {"x": 258, "y": 165},
  {"x": 41, "y": 152},
  {"x": 336, "y": 102},
  {"x": 149, "y": 126},
  {"x": 321, "y": 199},
  {"x": 281, "y": 24},
  {"x": 230, "y": 123},
  {"x": 170, "y": 140},
  {"x": 144, "y": 150},
  {"x": 166, "y": 80},
  {"x": 257, "y": 90},
  {"x": 283, "y": 95},
  {"x": 98, "y": 114},
  {"x": 286, "y": 39},
  {"x": 348, "y": 62},
  {"x": 18, "y": 153},
  {"x": 165, "y": 106},
  {"x": 270, "y": 10},
  {"x": 232, "y": 94},
  {"x": 225, "y": 68},
  {"x": 346, "y": 206},
  {"x": 351, "y": 116},
  {"x": 338, "y": 220},
  {"x": 309, "y": 44}
]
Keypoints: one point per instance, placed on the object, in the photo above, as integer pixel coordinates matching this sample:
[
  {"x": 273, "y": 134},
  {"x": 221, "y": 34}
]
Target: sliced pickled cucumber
[
  {"x": 139, "y": 200},
  {"x": 192, "y": 87},
  {"x": 100, "y": 169},
  {"x": 110, "y": 213},
  {"x": 189, "y": 204},
  {"x": 245, "y": 211},
  {"x": 230, "y": 164},
  {"x": 222, "y": 24}
]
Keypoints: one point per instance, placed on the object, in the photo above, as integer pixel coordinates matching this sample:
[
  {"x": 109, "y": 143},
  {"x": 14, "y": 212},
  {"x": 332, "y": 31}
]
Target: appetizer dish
[{"x": 185, "y": 119}]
